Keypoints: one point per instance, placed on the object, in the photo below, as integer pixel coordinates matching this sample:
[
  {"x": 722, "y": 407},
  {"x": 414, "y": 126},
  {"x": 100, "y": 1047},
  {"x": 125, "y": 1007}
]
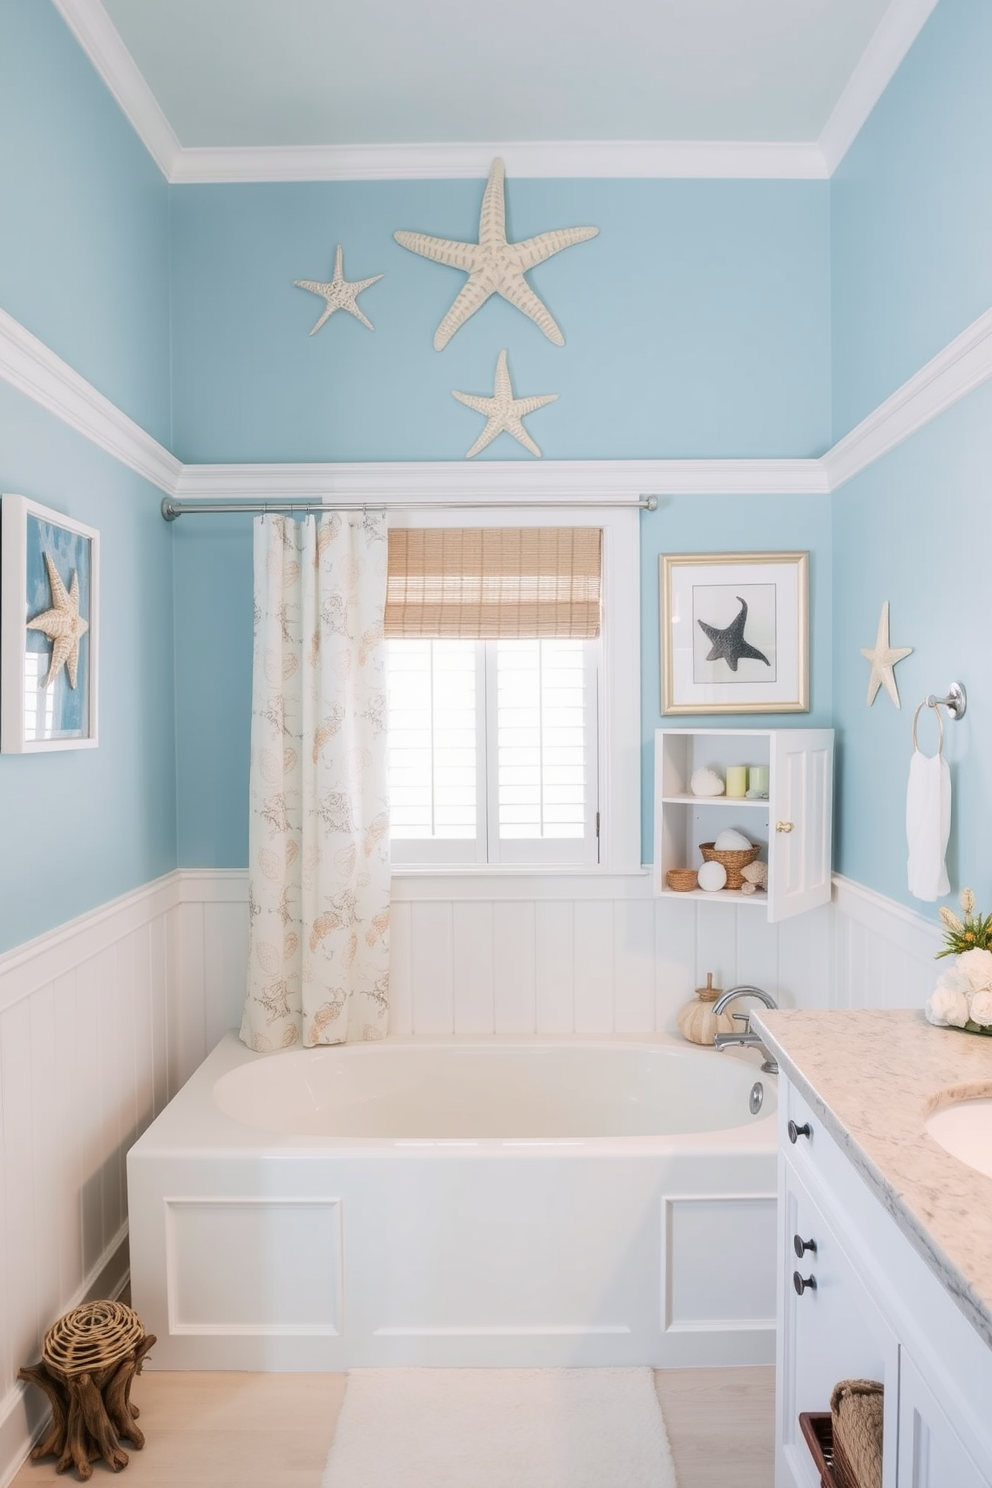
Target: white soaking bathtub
[{"x": 499, "y": 1202}]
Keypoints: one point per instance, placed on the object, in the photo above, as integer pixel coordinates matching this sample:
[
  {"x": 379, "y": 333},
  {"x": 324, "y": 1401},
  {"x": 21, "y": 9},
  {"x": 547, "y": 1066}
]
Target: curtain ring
[{"x": 940, "y": 724}]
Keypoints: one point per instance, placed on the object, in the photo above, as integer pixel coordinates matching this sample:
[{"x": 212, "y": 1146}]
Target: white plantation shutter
[
  {"x": 433, "y": 750},
  {"x": 492, "y": 706},
  {"x": 541, "y": 738}
]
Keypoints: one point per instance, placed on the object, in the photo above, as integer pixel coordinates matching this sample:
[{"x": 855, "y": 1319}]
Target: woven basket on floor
[
  {"x": 733, "y": 861},
  {"x": 91, "y": 1338}
]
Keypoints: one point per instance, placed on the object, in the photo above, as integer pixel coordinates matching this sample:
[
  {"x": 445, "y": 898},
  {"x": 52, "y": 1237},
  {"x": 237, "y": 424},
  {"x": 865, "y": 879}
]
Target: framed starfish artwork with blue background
[
  {"x": 49, "y": 571},
  {"x": 734, "y": 633}
]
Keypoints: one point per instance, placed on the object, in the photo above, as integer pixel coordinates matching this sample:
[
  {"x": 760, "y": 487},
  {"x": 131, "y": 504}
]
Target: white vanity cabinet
[
  {"x": 876, "y": 1311},
  {"x": 793, "y": 826}
]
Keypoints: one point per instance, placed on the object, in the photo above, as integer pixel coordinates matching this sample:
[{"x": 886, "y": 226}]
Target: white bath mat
[{"x": 500, "y": 1428}]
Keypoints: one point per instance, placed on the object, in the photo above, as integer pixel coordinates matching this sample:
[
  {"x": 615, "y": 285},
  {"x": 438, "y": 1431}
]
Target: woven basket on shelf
[
  {"x": 733, "y": 861},
  {"x": 681, "y": 879}
]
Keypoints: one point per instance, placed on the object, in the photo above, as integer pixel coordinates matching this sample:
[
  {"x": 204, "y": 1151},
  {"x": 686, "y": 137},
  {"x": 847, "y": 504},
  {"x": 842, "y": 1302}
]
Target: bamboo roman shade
[{"x": 488, "y": 583}]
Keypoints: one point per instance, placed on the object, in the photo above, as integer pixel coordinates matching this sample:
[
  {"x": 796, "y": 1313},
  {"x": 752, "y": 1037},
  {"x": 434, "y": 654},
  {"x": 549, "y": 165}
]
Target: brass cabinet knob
[{"x": 783, "y": 826}]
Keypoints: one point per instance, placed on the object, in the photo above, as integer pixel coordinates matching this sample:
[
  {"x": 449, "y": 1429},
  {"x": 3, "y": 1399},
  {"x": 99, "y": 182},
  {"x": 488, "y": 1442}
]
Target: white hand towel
[{"x": 928, "y": 824}]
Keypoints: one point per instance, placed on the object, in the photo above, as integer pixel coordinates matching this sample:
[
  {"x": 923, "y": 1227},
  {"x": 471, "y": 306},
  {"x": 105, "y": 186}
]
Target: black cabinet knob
[
  {"x": 795, "y": 1132},
  {"x": 802, "y": 1282},
  {"x": 802, "y": 1246}
]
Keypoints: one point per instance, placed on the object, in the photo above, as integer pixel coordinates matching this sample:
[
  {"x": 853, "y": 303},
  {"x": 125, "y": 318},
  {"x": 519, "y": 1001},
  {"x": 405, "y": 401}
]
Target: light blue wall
[
  {"x": 911, "y": 210},
  {"x": 912, "y": 267},
  {"x": 213, "y": 598},
  {"x": 697, "y": 323},
  {"x": 916, "y": 529},
  {"x": 707, "y": 319},
  {"x": 84, "y": 245},
  {"x": 81, "y": 826},
  {"x": 213, "y": 647},
  {"x": 84, "y": 266}
]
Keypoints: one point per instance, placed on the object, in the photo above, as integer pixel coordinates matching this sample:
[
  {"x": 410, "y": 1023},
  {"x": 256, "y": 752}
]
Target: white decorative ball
[
  {"x": 712, "y": 876},
  {"x": 706, "y": 782},
  {"x": 731, "y": 841}
]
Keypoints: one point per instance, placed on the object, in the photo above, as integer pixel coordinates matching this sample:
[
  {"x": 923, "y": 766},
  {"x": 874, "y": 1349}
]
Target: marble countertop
[{"x": 873, "y": 1076}]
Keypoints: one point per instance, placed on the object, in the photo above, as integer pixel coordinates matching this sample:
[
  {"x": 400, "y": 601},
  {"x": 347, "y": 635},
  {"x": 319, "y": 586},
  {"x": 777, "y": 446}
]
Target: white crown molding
[
  {"x": 496, "y": 482},
  {"x": 35, "y": 370},
  {"x": 895, "y": 34},
  {"x": 101, "y": 41},
  {"x": 644, "y": 159},
  {"x": 963, "y": 365}
]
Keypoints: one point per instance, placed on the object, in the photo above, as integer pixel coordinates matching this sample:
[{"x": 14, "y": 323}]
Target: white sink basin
[{"x": 964, "y": 1129}]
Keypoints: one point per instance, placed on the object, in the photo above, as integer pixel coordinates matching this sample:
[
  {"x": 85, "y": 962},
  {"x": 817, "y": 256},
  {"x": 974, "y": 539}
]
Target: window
[
  {"x": 492, "y": 751},
  {"x": 497, "y": 719}
]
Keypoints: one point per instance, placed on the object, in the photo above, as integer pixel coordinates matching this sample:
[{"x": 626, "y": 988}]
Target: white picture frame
[
  {"x": 734, "y": 633},
  {"x": 39, "y": 711}
]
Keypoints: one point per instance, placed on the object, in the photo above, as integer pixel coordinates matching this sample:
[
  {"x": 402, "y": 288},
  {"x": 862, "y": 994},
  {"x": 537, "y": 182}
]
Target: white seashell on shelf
[
  {"x": 731, "y": 841},
  {"x": 712, "y": 876},
  {"x": 706, "y": 782}
]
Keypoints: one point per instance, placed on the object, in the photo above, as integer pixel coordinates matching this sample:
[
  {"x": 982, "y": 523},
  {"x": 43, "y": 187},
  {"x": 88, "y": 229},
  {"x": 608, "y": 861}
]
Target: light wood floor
[{"x": 216, "y": 1430}]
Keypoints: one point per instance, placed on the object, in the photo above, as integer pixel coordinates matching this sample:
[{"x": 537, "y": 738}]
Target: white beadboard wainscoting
[
  {"x": 102, "y": 1019},
  {"x": 87, "y": 1058}
]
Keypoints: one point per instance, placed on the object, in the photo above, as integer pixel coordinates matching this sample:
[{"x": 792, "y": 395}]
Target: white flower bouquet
[{"x": 962, "y": 997}]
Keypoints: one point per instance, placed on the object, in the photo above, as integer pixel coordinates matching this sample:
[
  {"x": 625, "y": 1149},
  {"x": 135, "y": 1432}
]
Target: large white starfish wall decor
[
  {"x": 493, "y": 265},
  {"x": 883, "y": 658},
  {"x": 503, "y": 411},
  {"x": 62, "y": 624},
  {"x": 339, "y": 294}
]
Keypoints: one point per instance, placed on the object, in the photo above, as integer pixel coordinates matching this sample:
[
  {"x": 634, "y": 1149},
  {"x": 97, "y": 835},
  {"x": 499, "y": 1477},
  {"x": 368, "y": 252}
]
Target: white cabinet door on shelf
[
  {"x": 931, "y": 1454},
  {"x": 829, "y": 1330},
  {"x": 800, "y": 815}
]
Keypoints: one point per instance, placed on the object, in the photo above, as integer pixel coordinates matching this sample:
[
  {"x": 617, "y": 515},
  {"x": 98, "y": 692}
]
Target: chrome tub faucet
[{"x": 745, "y": 1037}]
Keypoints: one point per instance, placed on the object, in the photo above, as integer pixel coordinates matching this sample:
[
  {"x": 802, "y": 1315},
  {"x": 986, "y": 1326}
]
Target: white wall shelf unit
[{"x": 792, "y": 826}]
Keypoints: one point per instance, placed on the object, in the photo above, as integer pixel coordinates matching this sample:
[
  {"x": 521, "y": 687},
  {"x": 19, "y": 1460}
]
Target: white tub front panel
[
  {"x": 545, "y": 1260},
  {"x": 707, "y": 1287},
  {"x": 253, "y": 1266}
]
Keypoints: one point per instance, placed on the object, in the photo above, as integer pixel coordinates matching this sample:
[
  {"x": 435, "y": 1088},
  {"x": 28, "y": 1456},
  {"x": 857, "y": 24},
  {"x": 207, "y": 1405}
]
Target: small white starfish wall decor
[
  {"x": 883, "y": 658},
  {"x": 62, "y": 624},
  {"x": 503, "y": 411},
  {"x": 339, "y": 294},
  {"x": 493, "y": 265}
]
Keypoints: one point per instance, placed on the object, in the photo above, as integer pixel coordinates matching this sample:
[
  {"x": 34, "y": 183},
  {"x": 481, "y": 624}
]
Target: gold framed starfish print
[
  {"x": 49, "y": 573},
  {"x": 734, "y": 632}
]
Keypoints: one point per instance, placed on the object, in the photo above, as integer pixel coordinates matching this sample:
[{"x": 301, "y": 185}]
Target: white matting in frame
[
  {"x": 734, "y": 633},
  {"x": 49, "y": 576}
]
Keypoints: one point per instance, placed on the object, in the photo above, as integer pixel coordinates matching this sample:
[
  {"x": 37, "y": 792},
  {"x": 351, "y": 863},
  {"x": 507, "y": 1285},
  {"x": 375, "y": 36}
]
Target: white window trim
[{"x": 619, "y": 699}]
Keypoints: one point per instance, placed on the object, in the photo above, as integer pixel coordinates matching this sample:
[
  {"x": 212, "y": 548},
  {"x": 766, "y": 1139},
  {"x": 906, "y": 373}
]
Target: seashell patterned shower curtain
[{"x": 318, "y": 839}]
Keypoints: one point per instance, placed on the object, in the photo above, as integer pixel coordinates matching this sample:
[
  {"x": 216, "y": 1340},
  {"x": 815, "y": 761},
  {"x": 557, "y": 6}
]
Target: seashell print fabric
[{"x": 318, "y": 836}]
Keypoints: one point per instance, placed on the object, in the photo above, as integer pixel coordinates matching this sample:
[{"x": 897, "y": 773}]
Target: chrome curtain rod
[{"x": 171, "y": 508}]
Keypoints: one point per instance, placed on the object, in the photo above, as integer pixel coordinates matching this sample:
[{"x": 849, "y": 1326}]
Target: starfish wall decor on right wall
[{"x": 883, "y": 658}]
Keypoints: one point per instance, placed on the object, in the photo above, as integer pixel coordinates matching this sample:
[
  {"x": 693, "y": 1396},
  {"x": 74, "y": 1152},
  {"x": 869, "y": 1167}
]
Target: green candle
[
  {"x": 758, "y": 780},
  {"x": 736, "y": 780}
]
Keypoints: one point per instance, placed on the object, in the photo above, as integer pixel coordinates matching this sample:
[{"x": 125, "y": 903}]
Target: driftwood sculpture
[{"x": 88, "y": 1361}]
